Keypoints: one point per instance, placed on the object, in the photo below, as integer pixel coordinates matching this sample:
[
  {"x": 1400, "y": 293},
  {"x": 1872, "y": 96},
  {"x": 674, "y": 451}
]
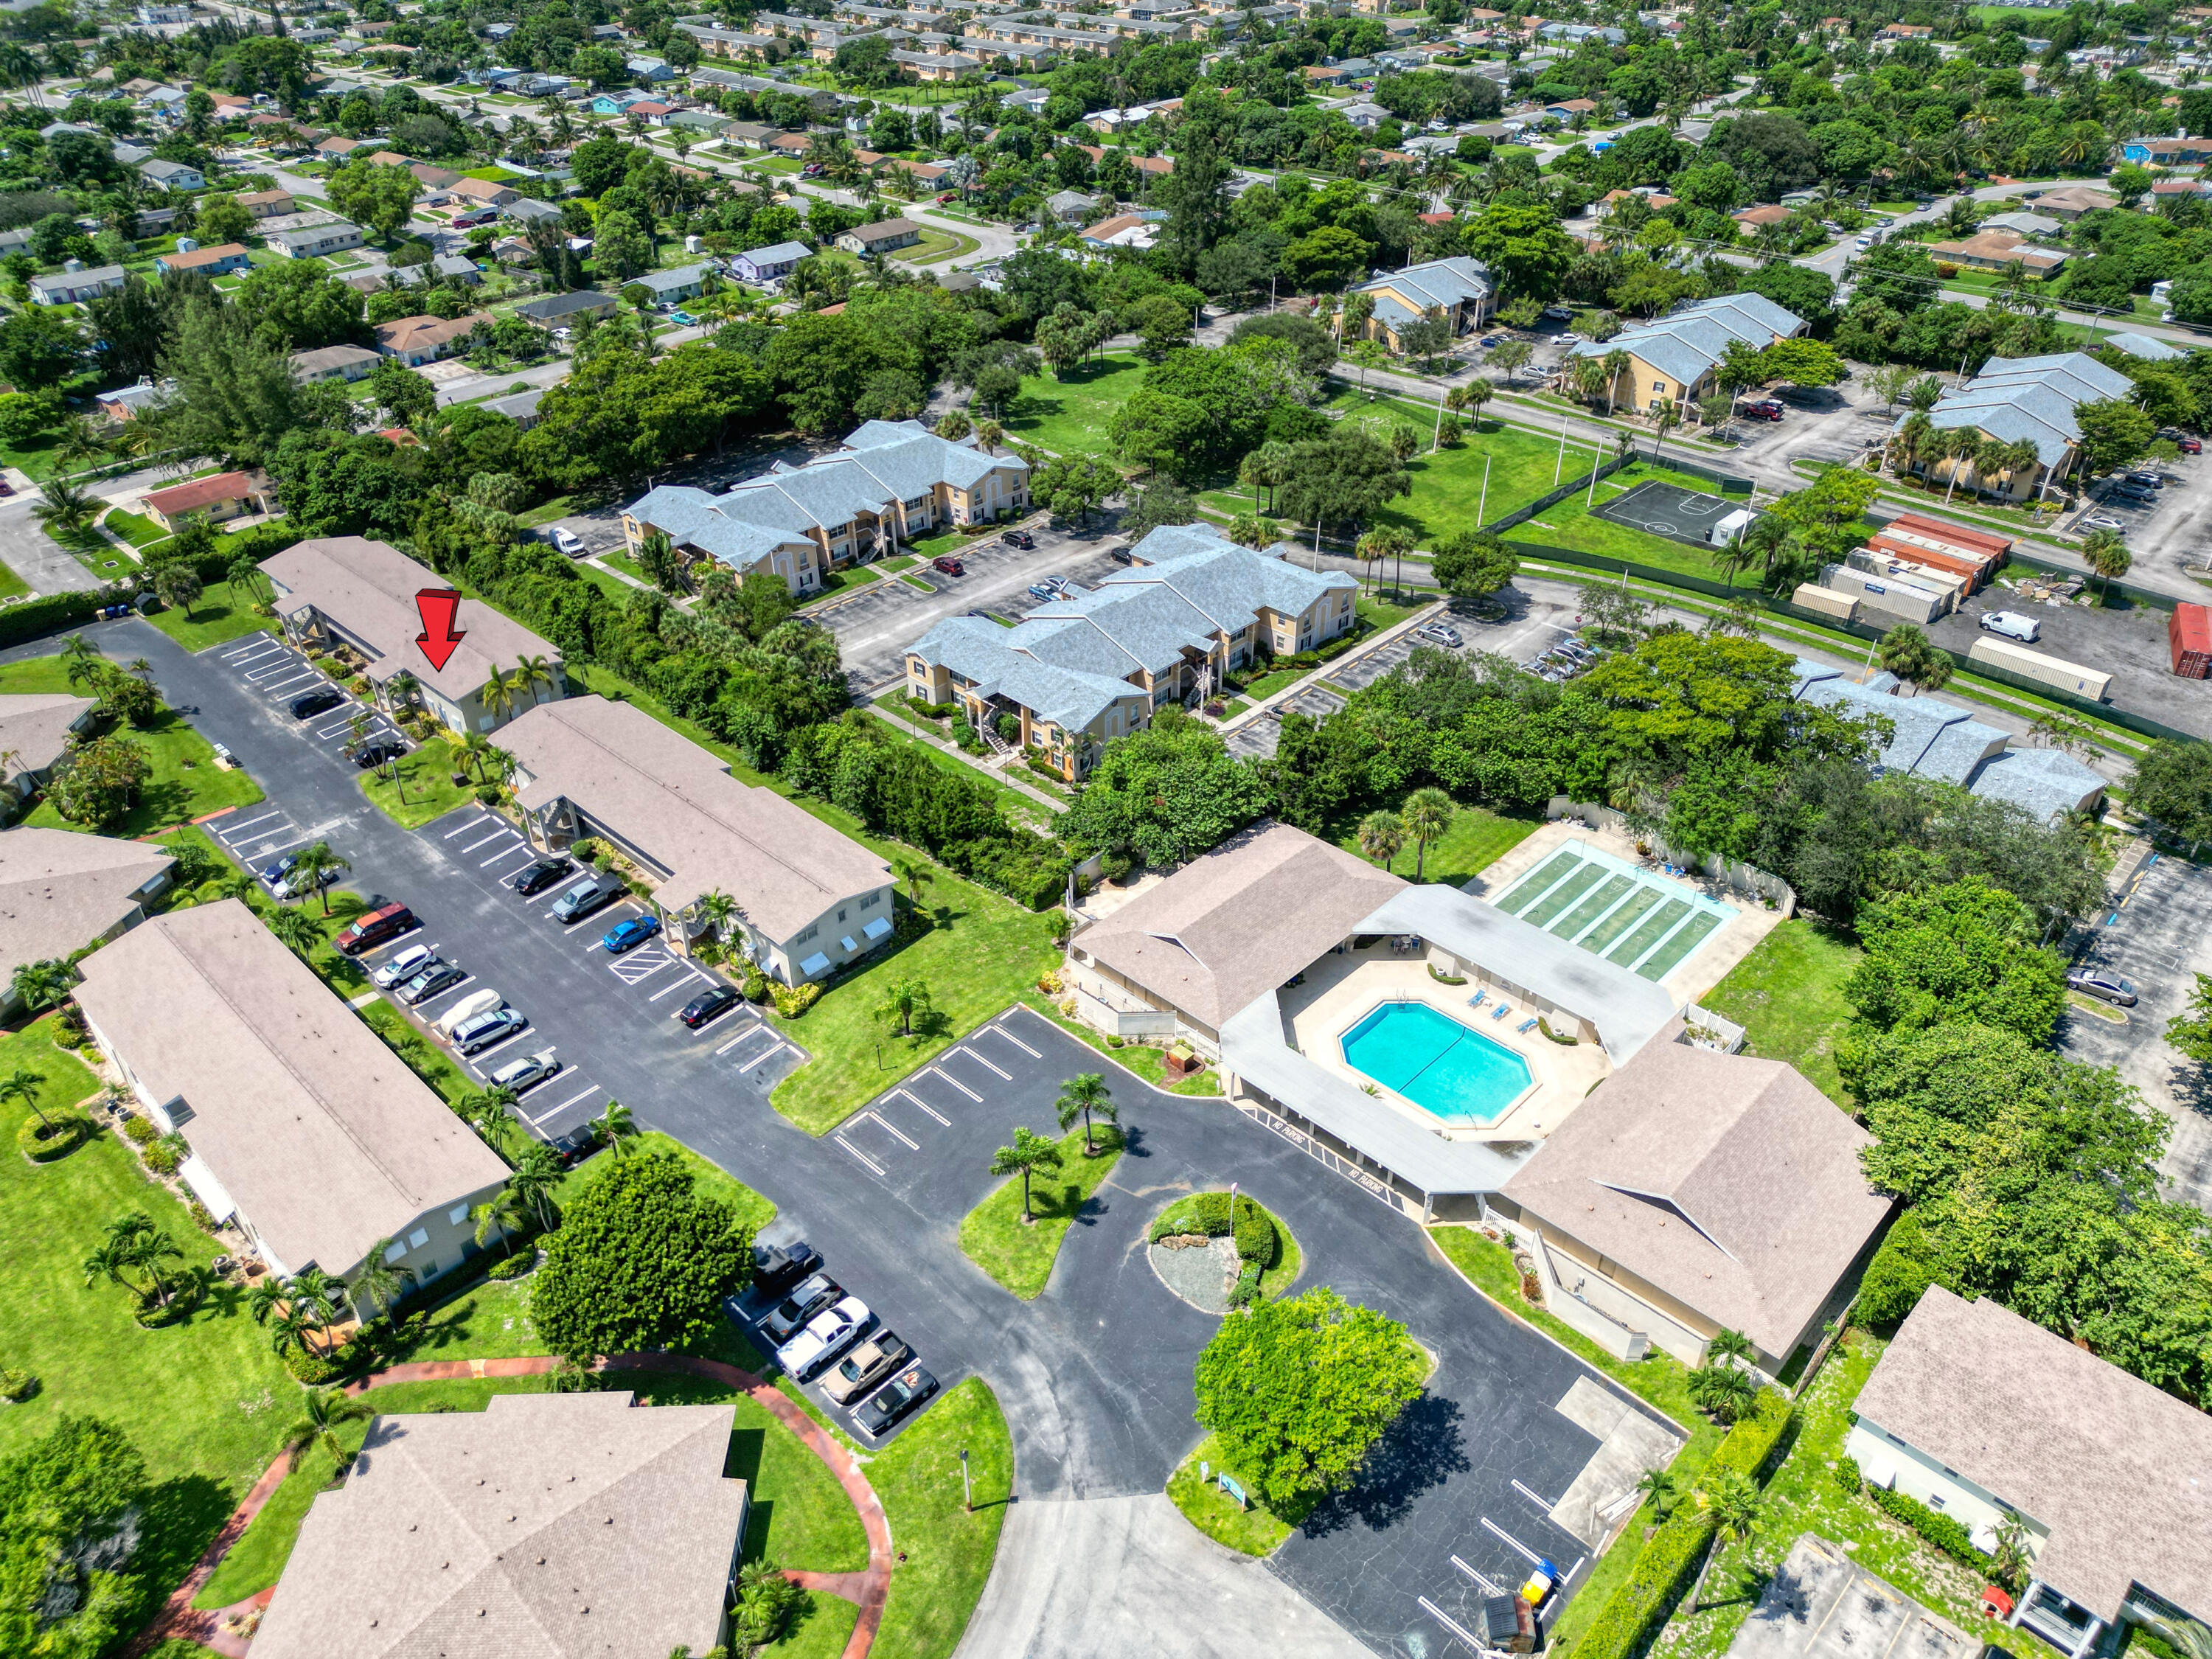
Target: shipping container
[
  {"x": 1964, "y": 568},
  {"x": 2053, "y": 672},
  {"x": 1884, "y": 564},
  {"x": 1811, "y": 596},
  {"x": 1892, "y": 596},
  {"x": 1982, "y": 542},
  {"x": 2190, "y": 633}
]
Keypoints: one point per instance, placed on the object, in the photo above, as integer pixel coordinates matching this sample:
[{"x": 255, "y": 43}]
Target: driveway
[
  {"x": 2159, "y": 936},
  {"x": 37, "y": 557}
]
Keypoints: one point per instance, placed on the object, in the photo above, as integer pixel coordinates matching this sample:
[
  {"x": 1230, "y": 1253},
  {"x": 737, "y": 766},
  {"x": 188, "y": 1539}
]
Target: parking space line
[
  {"x": 458, "y": 985},
  {"x": 290, "y": 666},
  {"x": 770, "y": 1055},
  {"x": 330, "y": 731},
  {"x": 883, "y": 1123},
  {"x": 938, "y": 1072},
  {"x": 857, "y": 1153},
  {"x": 1534, "y": 1559},
  {"x": 1451, "y": 1624},
  {"x": 244, "y": 661},
  {"x": 1543, "y": 1503},
  {"x": 281, "y": 686},
  {"x": 487, "y": 841},
  {"x": 1488, "y": 1589},
  {"x": 520, "y": 847},
  {"x": 925, "y": 1106},
  {"x": 971, "y": 1054},
  {"x": 1000, "y": 1030},
  {"x": 464, "y": 829},
  {"x": 746, "y": 1035},
  {"x": 232, "y": 831},
  {"x": 680, "y": 985},
  {"x": 476, "y": 1060},
  {"x": 269, "y": 845},
  {"x": 565, "y": 1105},
  {"x": 258, "y": 644}
]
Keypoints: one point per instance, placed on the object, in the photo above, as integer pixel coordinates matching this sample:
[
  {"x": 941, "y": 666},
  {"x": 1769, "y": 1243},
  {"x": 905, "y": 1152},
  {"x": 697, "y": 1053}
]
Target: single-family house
[
  {"x": 418, "y": 340},
  {"x": 554, "y": 310},
  {"x": 2068, "y": 204},
  {"x": 809, "y": 899},
  {"x": 1122, "y": 230},
  {"x": 266, "y": 204},
  {"x": 528, "y": 210},
  {"x": 61, "y": 891},
  {"x": 2184, "y": 151},
  {"x": 220, "y": 496},
  {"x": 171, "y": 175},
  {"x": 768, "y": 264},
  {"x": 337, "y": 362},
  {"x": 312, "y": 242},
  {"x": 484, "y": 193},
  {"x": 520, "y": 407},
  {"x": 302, "y": 1127},
  {"x": 1994, "y": 250},
  {"x": 673, "y": 286},
  {"x": 443, "y": 268},
  {"x": 74, "y": 283},
  {"x": 221, "y": 260},
  {"x": 884, "y": 236},
  {"x": 125, "y": 403}
]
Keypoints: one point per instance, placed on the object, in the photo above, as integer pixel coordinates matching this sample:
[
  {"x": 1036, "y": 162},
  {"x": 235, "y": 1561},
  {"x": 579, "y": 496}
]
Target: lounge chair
[
  {"x": 1501, "y": 1011},
  {"x": 1475, "y": 1001},
  {"x": 1527, "y": 1026}
]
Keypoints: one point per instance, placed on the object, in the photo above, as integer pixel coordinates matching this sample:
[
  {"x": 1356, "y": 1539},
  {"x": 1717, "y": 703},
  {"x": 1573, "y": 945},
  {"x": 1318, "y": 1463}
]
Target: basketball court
[{"x": 1669, "y": 510}]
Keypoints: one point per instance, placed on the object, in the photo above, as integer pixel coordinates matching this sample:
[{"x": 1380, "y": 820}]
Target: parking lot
[{"x": 274, "y": 670}]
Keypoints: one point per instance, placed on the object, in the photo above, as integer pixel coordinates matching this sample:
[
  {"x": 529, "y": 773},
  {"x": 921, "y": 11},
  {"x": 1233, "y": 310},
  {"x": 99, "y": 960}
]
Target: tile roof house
[
  {"x": 1695, "y": 1190},
  {"x": 220, "y": 260},
  {"x": 221, "y": 495},
  {"x": 885, "y": 236},
  {"x": 546, "y": 1524},
  {"x": 893, "y": 482},
  {"x": 809, "y": 899},
  {"x": 337, "y": 362},
  {"x": 351, "y": 590},
  {"x": 484, "y": 192},
  {"x": 1993, "y": 250},
  {"x": 1980, "y": 1414},
  {"x": 1122, "y": 230},
  {"x": 36, "y": 728},
  {"x": 2070, "y": 203},
  {"x": 2032, "y": 400},
  {"x": 1085, "y": 668},
  {"x": 1674, "y": 358},
  {"x": 1936, "y": 739},
  {"x": 301, "y": 1123},
  {"x": 1458, "y": 290},
  {"x": 60, "y": 891},
  {"x": 418, "y": 340}
]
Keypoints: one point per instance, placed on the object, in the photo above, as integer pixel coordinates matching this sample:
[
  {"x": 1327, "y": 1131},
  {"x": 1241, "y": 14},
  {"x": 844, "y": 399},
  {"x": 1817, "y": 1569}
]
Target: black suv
[
  {"x": 894, "y": 1400},
  {"x": 309, "y": 704},
  {"x": 777, "y": 1267},
  {"x": 1020, "y": 539}
]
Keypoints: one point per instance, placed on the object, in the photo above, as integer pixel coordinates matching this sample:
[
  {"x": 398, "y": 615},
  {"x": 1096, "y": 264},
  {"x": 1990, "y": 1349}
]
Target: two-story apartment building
[
  {"x": 1457, "y": 290},
  {"x": 893, "y": 481},
  {"x": 2023, "y": 399},
  {"x": 809, "y": 900},
  {"x": 348, "y": 590},
  {"x": 1085, "y": 668},
  {"x": 1672, "y": 359},
  {"x": 302, "y": 1127}
]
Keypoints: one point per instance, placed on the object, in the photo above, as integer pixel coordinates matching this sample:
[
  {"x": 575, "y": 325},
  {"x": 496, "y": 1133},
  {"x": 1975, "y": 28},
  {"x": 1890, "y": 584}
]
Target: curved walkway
[{"x": 868, "y": 1588}]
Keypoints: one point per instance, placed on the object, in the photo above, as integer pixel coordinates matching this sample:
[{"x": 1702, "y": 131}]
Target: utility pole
[{"x": 1482, "y": 507}]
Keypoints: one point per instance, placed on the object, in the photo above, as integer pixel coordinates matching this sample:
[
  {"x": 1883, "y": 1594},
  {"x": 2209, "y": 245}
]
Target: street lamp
[{"x": 967, "y": 1489}]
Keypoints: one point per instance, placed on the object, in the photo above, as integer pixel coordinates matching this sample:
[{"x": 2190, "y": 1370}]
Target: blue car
[
  {"x": 629, "y": 935},
  {"x": 684, "y": 317},
  {"x": 277, "y": 872}
]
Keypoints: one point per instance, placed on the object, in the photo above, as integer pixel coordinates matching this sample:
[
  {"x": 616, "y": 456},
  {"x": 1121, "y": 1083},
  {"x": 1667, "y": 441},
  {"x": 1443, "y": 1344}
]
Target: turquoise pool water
[{"x": 1448, "y": 1070}]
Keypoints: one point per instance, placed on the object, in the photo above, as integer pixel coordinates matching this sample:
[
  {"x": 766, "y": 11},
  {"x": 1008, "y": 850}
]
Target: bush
[
  {"x": 17, "y": 1387},
  {"x": 1246, "y": 1289},
  {"x": 163, "y": 1157},
  {"x": 756, "y": 985},
  {"x": 42, "y": 1143},
  {"x": 933, "y": 711},
  {"x": 1902, "y": 1269},
  {"x": 488, "y": 795},
  {"x": 1115, "y": 866},
  {"x": 515, "y": 1265},
  {"x": 1209, "y": 1214},
  {"x": 202, "y": 1218},
  {"x": 1940, "y": 1530},
  {"x": 910, "y": 925},
  {"x": 1750, "y": 1445},
  {"x": 139, "y": 1130},
  {"x": 314, "y": 1367},
  {"x": 1655, "y": 1583},
  {"x": 793, "y": 1001},
  {"x": 1256, "y": 1240}
]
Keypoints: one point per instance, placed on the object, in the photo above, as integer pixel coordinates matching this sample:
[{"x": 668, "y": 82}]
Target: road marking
[
  {"x": 232, "y": 829},
  {"x": 487, "y": 841},
  {"x": 520, "y": 847},
  {"x": 937, "y": 1072},
  {"x": 279, "y": 687},
  {"x": 476, "y": 1060},
  {"x": 1488, "y": 1589},
  {"x": 1534, "y": 1559},
  {"x": 971, "y": 1054},
  {"x": 857, "y": 1153},
  {"x": 245, "y": 660},
  {"x": 565, "y": 1104},
  {"x": 1000, "y": 1030},
  {"x": 925, "y": 1106},
  {"x": 746, "y": 1035},
  {"x": 291, "y": 664},
  {"x": 1543, "y": 1503},
  {"x": 332, "y": 731},
  {"x": 757, "y": 1058},
  {"x": 1451, "y": 1624},
  {"x": 883, "y": 1123},
  {"x": 461, "y": 984},
  {"x": 680, "y": 985},
  {"x": 269, "y": 844},
  {"x": 464, "y": 829}
]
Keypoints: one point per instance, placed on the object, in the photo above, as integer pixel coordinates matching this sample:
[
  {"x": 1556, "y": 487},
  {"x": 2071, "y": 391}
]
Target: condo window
[{"x": 805, "y": 934}]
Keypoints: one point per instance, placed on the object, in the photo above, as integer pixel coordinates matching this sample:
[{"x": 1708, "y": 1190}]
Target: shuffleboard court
[{"x": 1669, "y": 510}]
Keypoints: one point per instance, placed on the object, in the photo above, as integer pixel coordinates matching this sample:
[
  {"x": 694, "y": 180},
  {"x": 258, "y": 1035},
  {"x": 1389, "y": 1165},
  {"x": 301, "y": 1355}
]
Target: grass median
[
  {"x": 1253, "y": 1530},
  {"x": 947, "y": 1549},
  {"x": 1019, "y": 1255}
]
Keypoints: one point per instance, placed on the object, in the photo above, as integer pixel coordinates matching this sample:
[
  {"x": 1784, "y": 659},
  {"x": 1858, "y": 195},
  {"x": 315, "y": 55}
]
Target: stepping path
[{"x": 868, "y": 1588}]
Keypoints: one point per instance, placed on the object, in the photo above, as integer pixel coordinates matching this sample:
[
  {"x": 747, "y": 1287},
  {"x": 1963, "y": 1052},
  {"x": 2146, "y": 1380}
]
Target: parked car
[
  {"x": 380, "y": 925},
  {"x": 1120, "y": 555},
  {"x": 438, "y": 976},
  {"x": 584, "y": 898},
  {"x": 275, "y": 872},
  {"x": 573, "y": 1146},
  {"x": 377, "y": 751},
  {"x": 866, "y": 1365},
  {"x": 708, "y": 1006},
  {"x": 947, "y": 197},
  {"x": 1020, "y": 539},
  {"x": 404, "y": 966},
  {"x": 1489, "y": 340},
  {"x": 536, "y": 878},
  {"x": 566, "y": 542},
  {"x": 2189, "y": 446},
  {"x": 811, "y": 1295},
  {"x": 476, "y": 1003},
  {"x": 1766, "y": 409},
  {"x": 299, "y": 884},
  {"x": 946, "y": 564},
  {"x": 680, "y": 315},
  {"x": 1043, "y": 591},
  {"x": 627, "y": 935},
  {"x": 2012, "y": 625},
  {"x": 777, "y": 1267},
  {"x": 321, "y": 700},
  {"x": 1439, "y": 633},
  {"x": 519, "y": 1076},
  {"x": 894, "y": 1400},
  {"x": 2102, "y": 983},
  {"x": 828, "y": 1334},
  {"x": 486, "y": 1029}
]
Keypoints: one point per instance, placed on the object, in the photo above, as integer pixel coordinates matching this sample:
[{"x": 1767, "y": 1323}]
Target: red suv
[
  {"x": 946, "y": 564},
  {"x": 374, "y": 928},
  {"x": 1766, "y": 409},
  {"x": 2189, "y": 446}
]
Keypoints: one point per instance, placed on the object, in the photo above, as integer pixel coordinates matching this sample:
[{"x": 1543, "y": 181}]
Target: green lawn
[
  {"x": 140, "y": 532},
  {"x": 1477, "y": 839},
  {"x": 626, "y": 565},
  {"x": 1789, "y": 995},
  {"x": 1447, "y": 483},
  {"x": 1277, "y": 1278},
  {"x": 1020, "y": 1255},
  {"x": 425, "y": 780},
  {"x": 1254, "y": 1531},
  {"x": 1070, "y": 416},
  {"x": 1152, "y": 1065},
  {"x": 204, "y": 1400},
  {"x": 11, "y": 585},
  {"x": 948, "y": 1552},
  {"x": 212, "y": 621},
  {"x": 1571, "y": 524}
]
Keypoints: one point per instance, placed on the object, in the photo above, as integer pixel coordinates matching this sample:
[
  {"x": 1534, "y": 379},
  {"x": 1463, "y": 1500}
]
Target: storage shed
[{"x": 2053, "y": 672}]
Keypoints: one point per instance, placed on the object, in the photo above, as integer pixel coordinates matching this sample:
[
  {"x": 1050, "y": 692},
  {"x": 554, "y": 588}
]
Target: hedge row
[
  {"x": 1946, "y": 1534},
  {"x": 1670, "y": 1561}
]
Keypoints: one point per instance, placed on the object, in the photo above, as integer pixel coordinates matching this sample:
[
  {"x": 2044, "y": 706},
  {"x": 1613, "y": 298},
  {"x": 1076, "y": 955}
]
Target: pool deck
[
  {"x": 1341, "y": 991},
  {"x": 1698, "y": 972}
]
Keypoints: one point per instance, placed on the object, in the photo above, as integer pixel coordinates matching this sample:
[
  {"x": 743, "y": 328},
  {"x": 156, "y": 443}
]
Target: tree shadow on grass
[
  {"x": 1422, "y": 1450},
  {"x": 182, "y": 1517}
]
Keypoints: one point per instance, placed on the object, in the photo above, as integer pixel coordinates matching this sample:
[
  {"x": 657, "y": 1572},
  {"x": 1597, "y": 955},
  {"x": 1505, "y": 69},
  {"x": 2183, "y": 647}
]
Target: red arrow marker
[{"x": 438, "y": 638}]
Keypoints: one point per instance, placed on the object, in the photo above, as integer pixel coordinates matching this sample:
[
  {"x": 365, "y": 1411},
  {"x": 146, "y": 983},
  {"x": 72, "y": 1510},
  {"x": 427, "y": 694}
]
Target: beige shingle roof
[
  {"x": 325, "y": 1140},
  {"x": 1231, "y": 925},
  {"x": 34, "y": 728},
  {"x": 1730, "y": 1183},
  {"x": 60, "y": 890},
  {"x": 548, "y": 1527},
  {"x": 677, "y": 802},
  {"x": 2118, "y": 1471}
]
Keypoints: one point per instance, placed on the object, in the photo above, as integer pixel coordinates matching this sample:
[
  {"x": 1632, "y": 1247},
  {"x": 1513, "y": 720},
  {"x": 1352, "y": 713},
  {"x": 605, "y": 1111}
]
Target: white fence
[{"x": 1736, "y": 877}]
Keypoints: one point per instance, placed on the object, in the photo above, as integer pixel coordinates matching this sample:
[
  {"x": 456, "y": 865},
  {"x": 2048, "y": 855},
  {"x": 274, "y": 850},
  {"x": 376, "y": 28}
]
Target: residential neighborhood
[{"x": 996, "y": 832}]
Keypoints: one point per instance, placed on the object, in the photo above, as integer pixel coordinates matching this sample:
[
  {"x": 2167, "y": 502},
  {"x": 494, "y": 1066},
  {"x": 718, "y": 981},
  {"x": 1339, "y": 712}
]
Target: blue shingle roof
[
  {"x": 2030, "y": 398},
  {"x": 1686, "y": 342}
]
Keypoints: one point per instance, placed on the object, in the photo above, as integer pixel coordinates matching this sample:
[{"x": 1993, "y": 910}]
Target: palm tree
[
  {"x": 500, "y": 693},
  {"x": 916, "y": 875},
  {"x": 1725, "y": 1391},
  {"x": 905, "y": 1000},
  {"x": 1726, "y": 1345},
  {"x": 1084, "y": 1096},
  {"x": 1378, "y": 545},
  {"x": 316, "y": 1294},
  {"x": 381, "y": 1283},
  {"x": 530, "y": 673},
  {"x": 399, "y": 691},
  {"x": 503, "y": 1214},
  {"x": 22, "y": 1083},
  {"x": 1615, "y": 364},
  {"x": 39, "y": 985},
  {"x": 1382, "y": 837},
  {"x": 1428, "y": 814},
  {"x": 65, "y": 505},
  {"x": 1667, "y": 416},
  {"x": 1473, "y": 396},
  {"x": 615, "y": 1128},
  {"x": 470, "y": 748},
  {"x": 2107, "y": 554},
  {"x": 718, "y": 909},
  {"x": 179, "y": 584},
  {"x": 1732, "y": 1498},
  {"x": 1659, "y": 1488},
  {"x": 1907, "y": 653},
  {"x": 1029, "y": 1154},
  {"x": 322, "y": 1410},
  {"x": 315, "y": 863},
  {"x": 85, "y": 664},
  {"x": 146, "y": 1247},
  {"x": 537, "y": 1176},
  {"x": 296, "y": 929},
  {"x": 1955, "y": 446}
]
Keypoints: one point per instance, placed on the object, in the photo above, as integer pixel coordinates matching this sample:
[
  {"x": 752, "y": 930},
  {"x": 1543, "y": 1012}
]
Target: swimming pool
[
  {"x": 1448, "y": 1070},
  {"x": 1630, "y": 915}
]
